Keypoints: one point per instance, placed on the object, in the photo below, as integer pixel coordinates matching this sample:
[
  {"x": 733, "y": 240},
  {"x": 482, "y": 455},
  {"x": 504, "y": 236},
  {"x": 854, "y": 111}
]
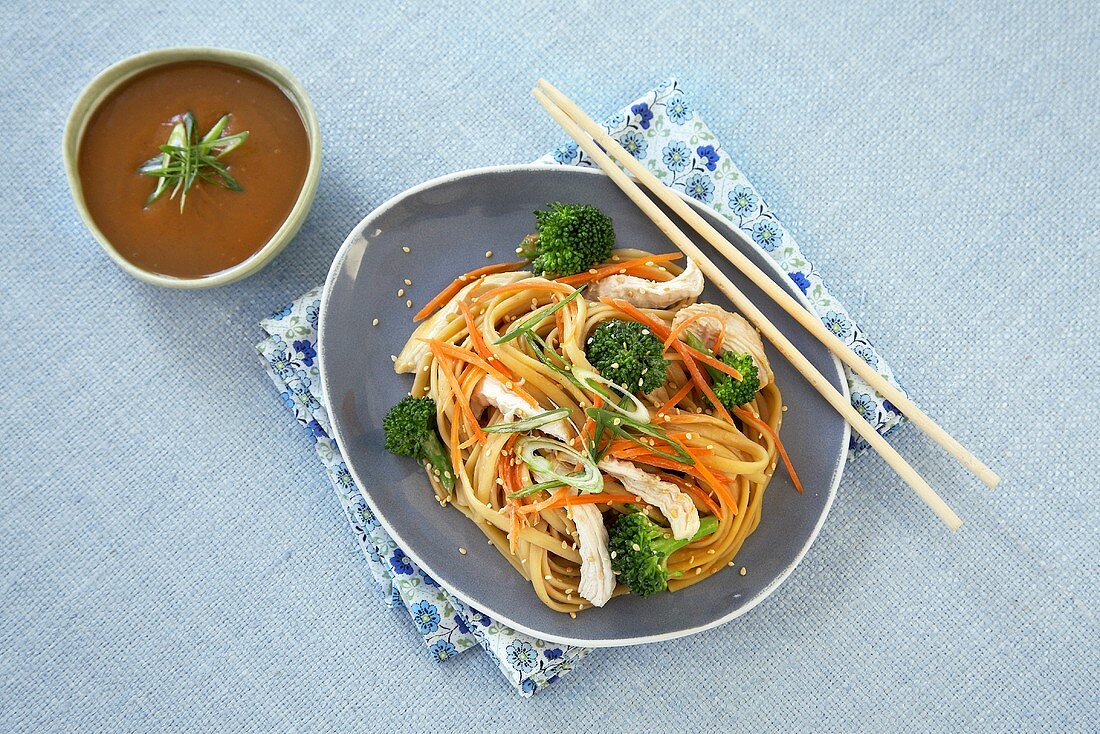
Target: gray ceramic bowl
[{"x": 448, "y": 224}]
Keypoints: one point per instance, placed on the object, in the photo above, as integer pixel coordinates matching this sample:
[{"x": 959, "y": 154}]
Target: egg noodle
[{"x": 529, "y": 334}]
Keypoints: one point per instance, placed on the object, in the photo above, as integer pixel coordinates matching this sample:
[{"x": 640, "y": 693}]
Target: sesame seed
[
  {"x": 409, "y": 303},
  {"x": 613, "y": 553},
  {"x": 523, "y": 560},
  {"x": 743, "y": 571},
  {"x": 374, "y": 323},
  {"x": 569, "y": 590},
  {"x": 615, "y": 365},
  {"x": 488, "y": 253},
  {"x": 635, "y": 546},
  {"x": 549, "y": 577},
  {"x": 519, "y": 250},
  {"x": 400, "y": 292},
  {"x": 784, "y": 408},
  {"x": 710, "y": 552},
  {"x": 698, "y": 571},
  {"x": 730, "y": 564},
  {"x": 408, "y": 282},
  {"x": 393, "y": 357},
  {"x": 572, "y": 615},
  {"x": 405, "y": 249},
  {"x": 462, "y": 551}
]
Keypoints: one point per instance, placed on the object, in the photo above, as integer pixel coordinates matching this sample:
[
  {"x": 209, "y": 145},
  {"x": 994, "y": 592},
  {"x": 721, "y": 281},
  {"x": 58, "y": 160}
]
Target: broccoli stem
[
  {"x": 668, "y": 546},
  {"x": 436, "y": 454}
]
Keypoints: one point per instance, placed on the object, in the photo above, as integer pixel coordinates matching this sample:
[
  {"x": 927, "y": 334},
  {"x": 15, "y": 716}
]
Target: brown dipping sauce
[{"x": 218, "y": 228}]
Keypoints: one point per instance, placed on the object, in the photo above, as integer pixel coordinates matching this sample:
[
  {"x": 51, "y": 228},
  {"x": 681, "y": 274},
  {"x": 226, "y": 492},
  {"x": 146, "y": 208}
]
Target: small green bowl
[{"x": 111, "y": 77}]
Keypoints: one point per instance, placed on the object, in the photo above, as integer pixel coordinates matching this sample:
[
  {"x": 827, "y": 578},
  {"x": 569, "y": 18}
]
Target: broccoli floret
[
  {"x": 628, "y": 354},
  {"x": 733, "y": 392},
  {"x": 640, "y": 549},
  {"x": 571, "y": 239},
  {"x": 411, "y": 430}
]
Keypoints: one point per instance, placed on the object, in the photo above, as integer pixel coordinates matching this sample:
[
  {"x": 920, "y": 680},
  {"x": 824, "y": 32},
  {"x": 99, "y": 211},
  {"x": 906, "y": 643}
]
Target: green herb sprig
[{"x": 187, "y": 158}]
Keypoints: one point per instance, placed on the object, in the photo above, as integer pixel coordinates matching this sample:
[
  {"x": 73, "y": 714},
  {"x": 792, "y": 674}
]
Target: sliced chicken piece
[
  {"x": 490, "y": 391},
  {"x": 649, "y": 293},
  {"x": 416, "y": 351},
  {"x": 739, "y": 336},
  {"x": 597, "y": 582},
  {"x": 683, "y": 517}
]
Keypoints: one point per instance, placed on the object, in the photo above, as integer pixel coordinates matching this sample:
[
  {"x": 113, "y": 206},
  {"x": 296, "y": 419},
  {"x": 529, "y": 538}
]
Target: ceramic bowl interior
[
  {"x": 448, "y": 224},
  {"x": 110, "y": 78}
]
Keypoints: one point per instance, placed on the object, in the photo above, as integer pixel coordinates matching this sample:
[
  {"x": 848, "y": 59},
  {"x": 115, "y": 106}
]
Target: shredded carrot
[
  {"x": 479, "y": 341},
  {"x": 719, "y": 338},
  {"x": 695, "y": 491},
  {"x": 470, "y": 357},
  {"x": 679, "y": 328},
  {"x": 651, "y": 459},
  {"x": 558, "y": 496},
  {"x": 715, "y": 363},
  {"x": 615, "y": 268},
  {"x": 456, "y": 450},
  {"x": 461, "y": 398},
  {"x": 749, "y": 417},
  {"x": 461, "y": 282},
  {"x": 598, "y": 498},
  {"x": 675, "y": 399}
]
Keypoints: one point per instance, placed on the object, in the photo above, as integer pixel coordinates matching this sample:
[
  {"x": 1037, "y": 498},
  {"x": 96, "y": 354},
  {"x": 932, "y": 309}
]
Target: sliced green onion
[
  {"x": 528, "y": 424},
  {"x": 533, "y": 488},
  {"x": 535, "y": 319},
  {"x": 617, "y": 424},
  {"x": 588, "y": 480}
]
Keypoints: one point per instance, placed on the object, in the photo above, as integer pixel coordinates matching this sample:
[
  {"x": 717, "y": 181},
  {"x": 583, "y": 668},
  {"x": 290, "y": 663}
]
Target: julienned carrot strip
[
  {"x": 615, "y": 268},
  {"x": 675, "y": 399},
  {"x": 720, "y": 488},
  {"x": 461, "y": 282},
  {"x": 655, "y": 325},
  {"x": 749, "y": 417},
  {"x": 679, "y": 328},
  {"x": 558, "y": 496},
  {"x": 719, "y": 338},
  {"x": 460, "y": 395},
  {"x": 597, "y": 498},
  {"x": 694, "y": 490},
  {"x": 715, "y": 363},
  {"x": 479, "y": 341}
]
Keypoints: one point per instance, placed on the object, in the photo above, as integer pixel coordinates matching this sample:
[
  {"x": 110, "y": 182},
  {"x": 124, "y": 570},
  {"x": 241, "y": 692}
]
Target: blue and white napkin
[{"x": 663, "y": 130}]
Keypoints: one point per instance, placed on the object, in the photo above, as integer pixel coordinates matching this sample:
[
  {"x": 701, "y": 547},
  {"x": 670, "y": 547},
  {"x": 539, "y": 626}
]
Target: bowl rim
[
  {"x": 110, "y": 78},
  {"x": 333, "y": 274}
]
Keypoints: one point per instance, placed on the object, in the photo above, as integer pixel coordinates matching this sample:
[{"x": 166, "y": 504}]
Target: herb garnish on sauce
[{"x": 186, "y": 158}]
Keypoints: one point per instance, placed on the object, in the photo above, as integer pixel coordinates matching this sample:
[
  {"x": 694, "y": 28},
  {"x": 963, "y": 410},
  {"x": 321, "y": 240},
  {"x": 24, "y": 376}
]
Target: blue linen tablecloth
[{"x": 171, "y": 560}]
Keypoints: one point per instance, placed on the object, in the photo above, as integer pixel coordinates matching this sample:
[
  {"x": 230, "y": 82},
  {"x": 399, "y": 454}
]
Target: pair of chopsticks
[{"x": 594, "y": 140}]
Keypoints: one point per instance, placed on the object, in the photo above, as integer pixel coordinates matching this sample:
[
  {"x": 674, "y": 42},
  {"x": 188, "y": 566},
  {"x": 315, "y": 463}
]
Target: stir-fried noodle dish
[{"x": 606, "y": 430}]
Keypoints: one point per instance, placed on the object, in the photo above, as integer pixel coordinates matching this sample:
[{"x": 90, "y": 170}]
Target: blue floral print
[
  {"x": 342, "y": 475},
  {"x": 552, "y": 653},
  {"x": 644, "y": 114},
  {"x": 866, "y": 354},
  {"x": 528, "y": 686},
  {"x": 443, "y": 650},
  {"x": 766, "y": 233},
  {"x": 743, "y": 201},
  {"x": 838, "y": 323},
  {"x": 866, "y": 406},
  {"x": 304, "y": 352},
  {"x": 709, "y": 156},
  {"x": 678, "y": 109},
  {"x": 634, "y": 143},
  {"x": 315, "y": 429},
  {"x": 800, "y": 280},
  {"x": 426, "y": 617},
  {"x": 699, "y": 186},
  {"x": 401, "y": 563},
  {"x": 565, "y": 153},
  {"x": 460, "y": 624},
  {"x": 283, "y": 312},
  {"x": 313, "y": 313},
  {"x": 676, "y": 156},
  {"x": 281, "y": 364},
  {"x": 522, "y": 656}
]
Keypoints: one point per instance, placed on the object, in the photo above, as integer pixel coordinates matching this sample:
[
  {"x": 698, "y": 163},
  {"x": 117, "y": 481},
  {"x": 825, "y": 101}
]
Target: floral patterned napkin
[{"x": 663, "y": 130}]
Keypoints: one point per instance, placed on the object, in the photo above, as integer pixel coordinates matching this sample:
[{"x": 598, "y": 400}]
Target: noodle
[{"x": 734, "y": 461}]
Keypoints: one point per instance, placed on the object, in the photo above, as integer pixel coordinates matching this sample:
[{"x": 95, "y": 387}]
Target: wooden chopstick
[
  {"x": 835, "y": 398},
  {"x": 808, "y": 321}
]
